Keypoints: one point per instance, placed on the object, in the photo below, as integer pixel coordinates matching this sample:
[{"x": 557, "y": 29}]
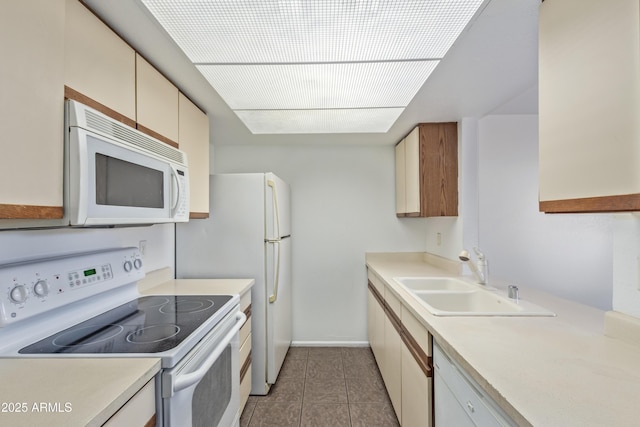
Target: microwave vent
[{"x": 133, "y": 137}]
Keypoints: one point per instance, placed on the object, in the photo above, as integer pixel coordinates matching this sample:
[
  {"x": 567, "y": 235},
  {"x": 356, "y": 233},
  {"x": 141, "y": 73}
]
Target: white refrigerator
[{"x": 247, "y": 235}]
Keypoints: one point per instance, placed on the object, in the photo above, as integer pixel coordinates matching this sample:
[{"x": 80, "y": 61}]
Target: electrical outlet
[
  {"x": 438, "y": 239},
  {"x": 142, "y": 246}
]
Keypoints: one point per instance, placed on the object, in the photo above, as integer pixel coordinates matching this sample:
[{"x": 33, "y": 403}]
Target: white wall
[
  {"x": 567, "y": 255},
  {"x": 31, "y": 244},
  {"x": 626, "y": 264},
  {"x": 343, "y": 205}
]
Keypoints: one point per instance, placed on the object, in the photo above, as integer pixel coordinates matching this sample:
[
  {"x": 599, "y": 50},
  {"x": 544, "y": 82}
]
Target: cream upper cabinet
[
  {"x": 157, "y": 103},
  {"x": 193, "y": 138},
  {"x": 589, "y": 104},
  {"x": 99, "y": 67},
  {"x": 401, "y": 186},
  {"x": 31, "y": 108},
  {"x": 427, "y": 177}
]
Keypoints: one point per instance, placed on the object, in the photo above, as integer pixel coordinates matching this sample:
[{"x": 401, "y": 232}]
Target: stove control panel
[{"x": 33, "y": 287}]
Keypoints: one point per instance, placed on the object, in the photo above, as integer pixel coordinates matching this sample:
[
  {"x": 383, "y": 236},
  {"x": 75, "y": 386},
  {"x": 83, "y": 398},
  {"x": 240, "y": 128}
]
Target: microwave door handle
[
  {"x": 175, "y": 192},
  {"x": 192, "y": 378}
]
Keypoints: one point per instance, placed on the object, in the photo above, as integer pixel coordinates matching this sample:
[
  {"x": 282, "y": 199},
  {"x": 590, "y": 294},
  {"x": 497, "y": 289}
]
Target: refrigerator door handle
[
  {"x": 274, "y": 296},
  {"x": 271, "y": 183}
]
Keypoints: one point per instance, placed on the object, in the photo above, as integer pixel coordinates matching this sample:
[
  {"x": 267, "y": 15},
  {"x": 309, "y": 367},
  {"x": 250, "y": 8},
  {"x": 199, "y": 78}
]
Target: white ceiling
[{"x": 491, "y": 68}]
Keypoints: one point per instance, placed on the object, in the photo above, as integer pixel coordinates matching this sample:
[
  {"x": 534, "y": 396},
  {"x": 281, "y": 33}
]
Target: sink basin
[
  {"x": 435, "y": 284},
  {"x": 451, "y": 296},
  {"x": 477, "y": 303}
]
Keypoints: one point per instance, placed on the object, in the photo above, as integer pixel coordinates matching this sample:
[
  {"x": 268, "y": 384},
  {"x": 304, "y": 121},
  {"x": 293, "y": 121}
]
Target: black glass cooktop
[{"x": 150, "y": 324}]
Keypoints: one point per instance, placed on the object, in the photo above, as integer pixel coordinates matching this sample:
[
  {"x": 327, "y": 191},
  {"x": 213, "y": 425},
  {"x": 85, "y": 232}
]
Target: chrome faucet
[{"x": 479, "y": 269}]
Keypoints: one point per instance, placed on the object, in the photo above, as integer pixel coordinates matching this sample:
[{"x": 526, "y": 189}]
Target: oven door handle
[{"x": 187, "y": 380}]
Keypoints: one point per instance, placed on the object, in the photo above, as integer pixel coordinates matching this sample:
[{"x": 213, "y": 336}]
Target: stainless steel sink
[{"x": 450, "y": 296}]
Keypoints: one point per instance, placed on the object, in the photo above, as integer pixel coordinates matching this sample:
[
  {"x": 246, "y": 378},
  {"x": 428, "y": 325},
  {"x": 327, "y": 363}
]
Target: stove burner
[
  {"x": 191, "y": 306},
  {"x": 153, "y": 333},
  {"x": 87, "y": 335},
  {"x": 150, "y": 302}
]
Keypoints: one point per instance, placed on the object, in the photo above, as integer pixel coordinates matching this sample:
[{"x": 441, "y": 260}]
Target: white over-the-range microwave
[{"x": 115, "y": 175}]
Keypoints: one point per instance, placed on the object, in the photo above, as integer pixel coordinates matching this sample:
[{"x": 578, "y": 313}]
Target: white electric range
[{"x": 87, "y": 305}]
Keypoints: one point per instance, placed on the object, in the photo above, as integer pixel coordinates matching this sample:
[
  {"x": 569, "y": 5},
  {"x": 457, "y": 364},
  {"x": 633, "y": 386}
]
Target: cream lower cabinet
[
  {"x": 417, "y": 380},
  {"x": 402, "y": 348},
  {"x": 245, "y": 350},
  {"x": 139, "y": 411},
  {"x": 392, "y": 374}
]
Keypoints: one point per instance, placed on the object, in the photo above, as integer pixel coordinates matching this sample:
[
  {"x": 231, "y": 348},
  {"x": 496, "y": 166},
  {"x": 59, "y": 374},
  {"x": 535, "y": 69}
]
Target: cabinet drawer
[
  {"x": 138, "y": 410},
  {"x": 377, "y": 283},
  {"x": 417, "y": 331}
]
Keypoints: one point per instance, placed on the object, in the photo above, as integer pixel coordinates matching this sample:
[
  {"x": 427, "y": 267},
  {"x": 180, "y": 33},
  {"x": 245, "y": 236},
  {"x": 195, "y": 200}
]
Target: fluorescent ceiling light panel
[
  {"x": 374, "y": 120},
  {"x": 310, "y": 54},
  {"x": 312, "y": 86}
]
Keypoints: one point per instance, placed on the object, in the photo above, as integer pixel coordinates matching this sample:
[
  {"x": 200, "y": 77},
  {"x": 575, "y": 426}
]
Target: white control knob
[
  {"x": 128, "y": 266},
  {"x": 41, "y": 288},
  {"x": 137, "y": 263},
  {"x": 18, "y": 294}
]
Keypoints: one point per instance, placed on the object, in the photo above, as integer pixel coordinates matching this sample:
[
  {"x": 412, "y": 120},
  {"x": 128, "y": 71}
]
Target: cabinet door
[
  {"x": 417, "y": 385},
  {"x": 412, "y": 173},
  {"x": 392, "y": 374},
  {"x": 427, "y": 177},
  {"x": 376, "y": 329},
  {"x": 157, "y": 103},
  {"x": 416, "y": 393},
  {"x": 31, "y": 109},
  {"x": 99, "y": 67},
  {"x": 193, "y": 139},
  {"x": 589, "y": 104},
  {"x": 401, "y": 203}
]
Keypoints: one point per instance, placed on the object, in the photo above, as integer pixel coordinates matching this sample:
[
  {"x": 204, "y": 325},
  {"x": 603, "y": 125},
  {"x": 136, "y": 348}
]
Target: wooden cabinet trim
[
  {"x": 624, "y": 203},
  {"x": 246, "y": 364},
  {"x": 151, "y": 422},
  {"x": 198, "y": 215},
  {"x": 156, "y": 135},
  {"x": 247, "y": 312},
  {"x": 30, "y": 212},
  {"x": 424, "y": 362},
  {"x": 70, "y": 93}
]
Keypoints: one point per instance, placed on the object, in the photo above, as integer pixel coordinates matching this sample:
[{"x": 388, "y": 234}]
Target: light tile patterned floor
[{"x": 324, "y": 387}]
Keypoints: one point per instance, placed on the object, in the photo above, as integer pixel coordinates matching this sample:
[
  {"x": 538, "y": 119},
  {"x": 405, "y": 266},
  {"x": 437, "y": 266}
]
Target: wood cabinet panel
[
  {"x": 429, "y": 174},
  {"x": 193, "y": 139},
  {"x": 99, "y": 67},
  {"x": 32, "y": 109},
  {"x": 156, "y": 103},
  {"x": 589, "y": 103}
]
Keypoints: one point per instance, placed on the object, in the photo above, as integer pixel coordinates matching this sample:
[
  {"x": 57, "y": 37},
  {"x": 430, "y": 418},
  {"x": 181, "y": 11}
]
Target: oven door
[{"x": 203, "y": 389}]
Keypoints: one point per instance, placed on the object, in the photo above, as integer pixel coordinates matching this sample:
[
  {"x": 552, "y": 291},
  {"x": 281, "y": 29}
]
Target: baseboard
[{"x": 330, "y": 344}]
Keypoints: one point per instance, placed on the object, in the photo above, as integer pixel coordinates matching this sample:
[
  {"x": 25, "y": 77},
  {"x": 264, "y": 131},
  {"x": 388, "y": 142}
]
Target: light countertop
[
  {"x": 543, "y": 371},
  {"x": 69, "y": 391},
  {"x": 161, "y": 282}
]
